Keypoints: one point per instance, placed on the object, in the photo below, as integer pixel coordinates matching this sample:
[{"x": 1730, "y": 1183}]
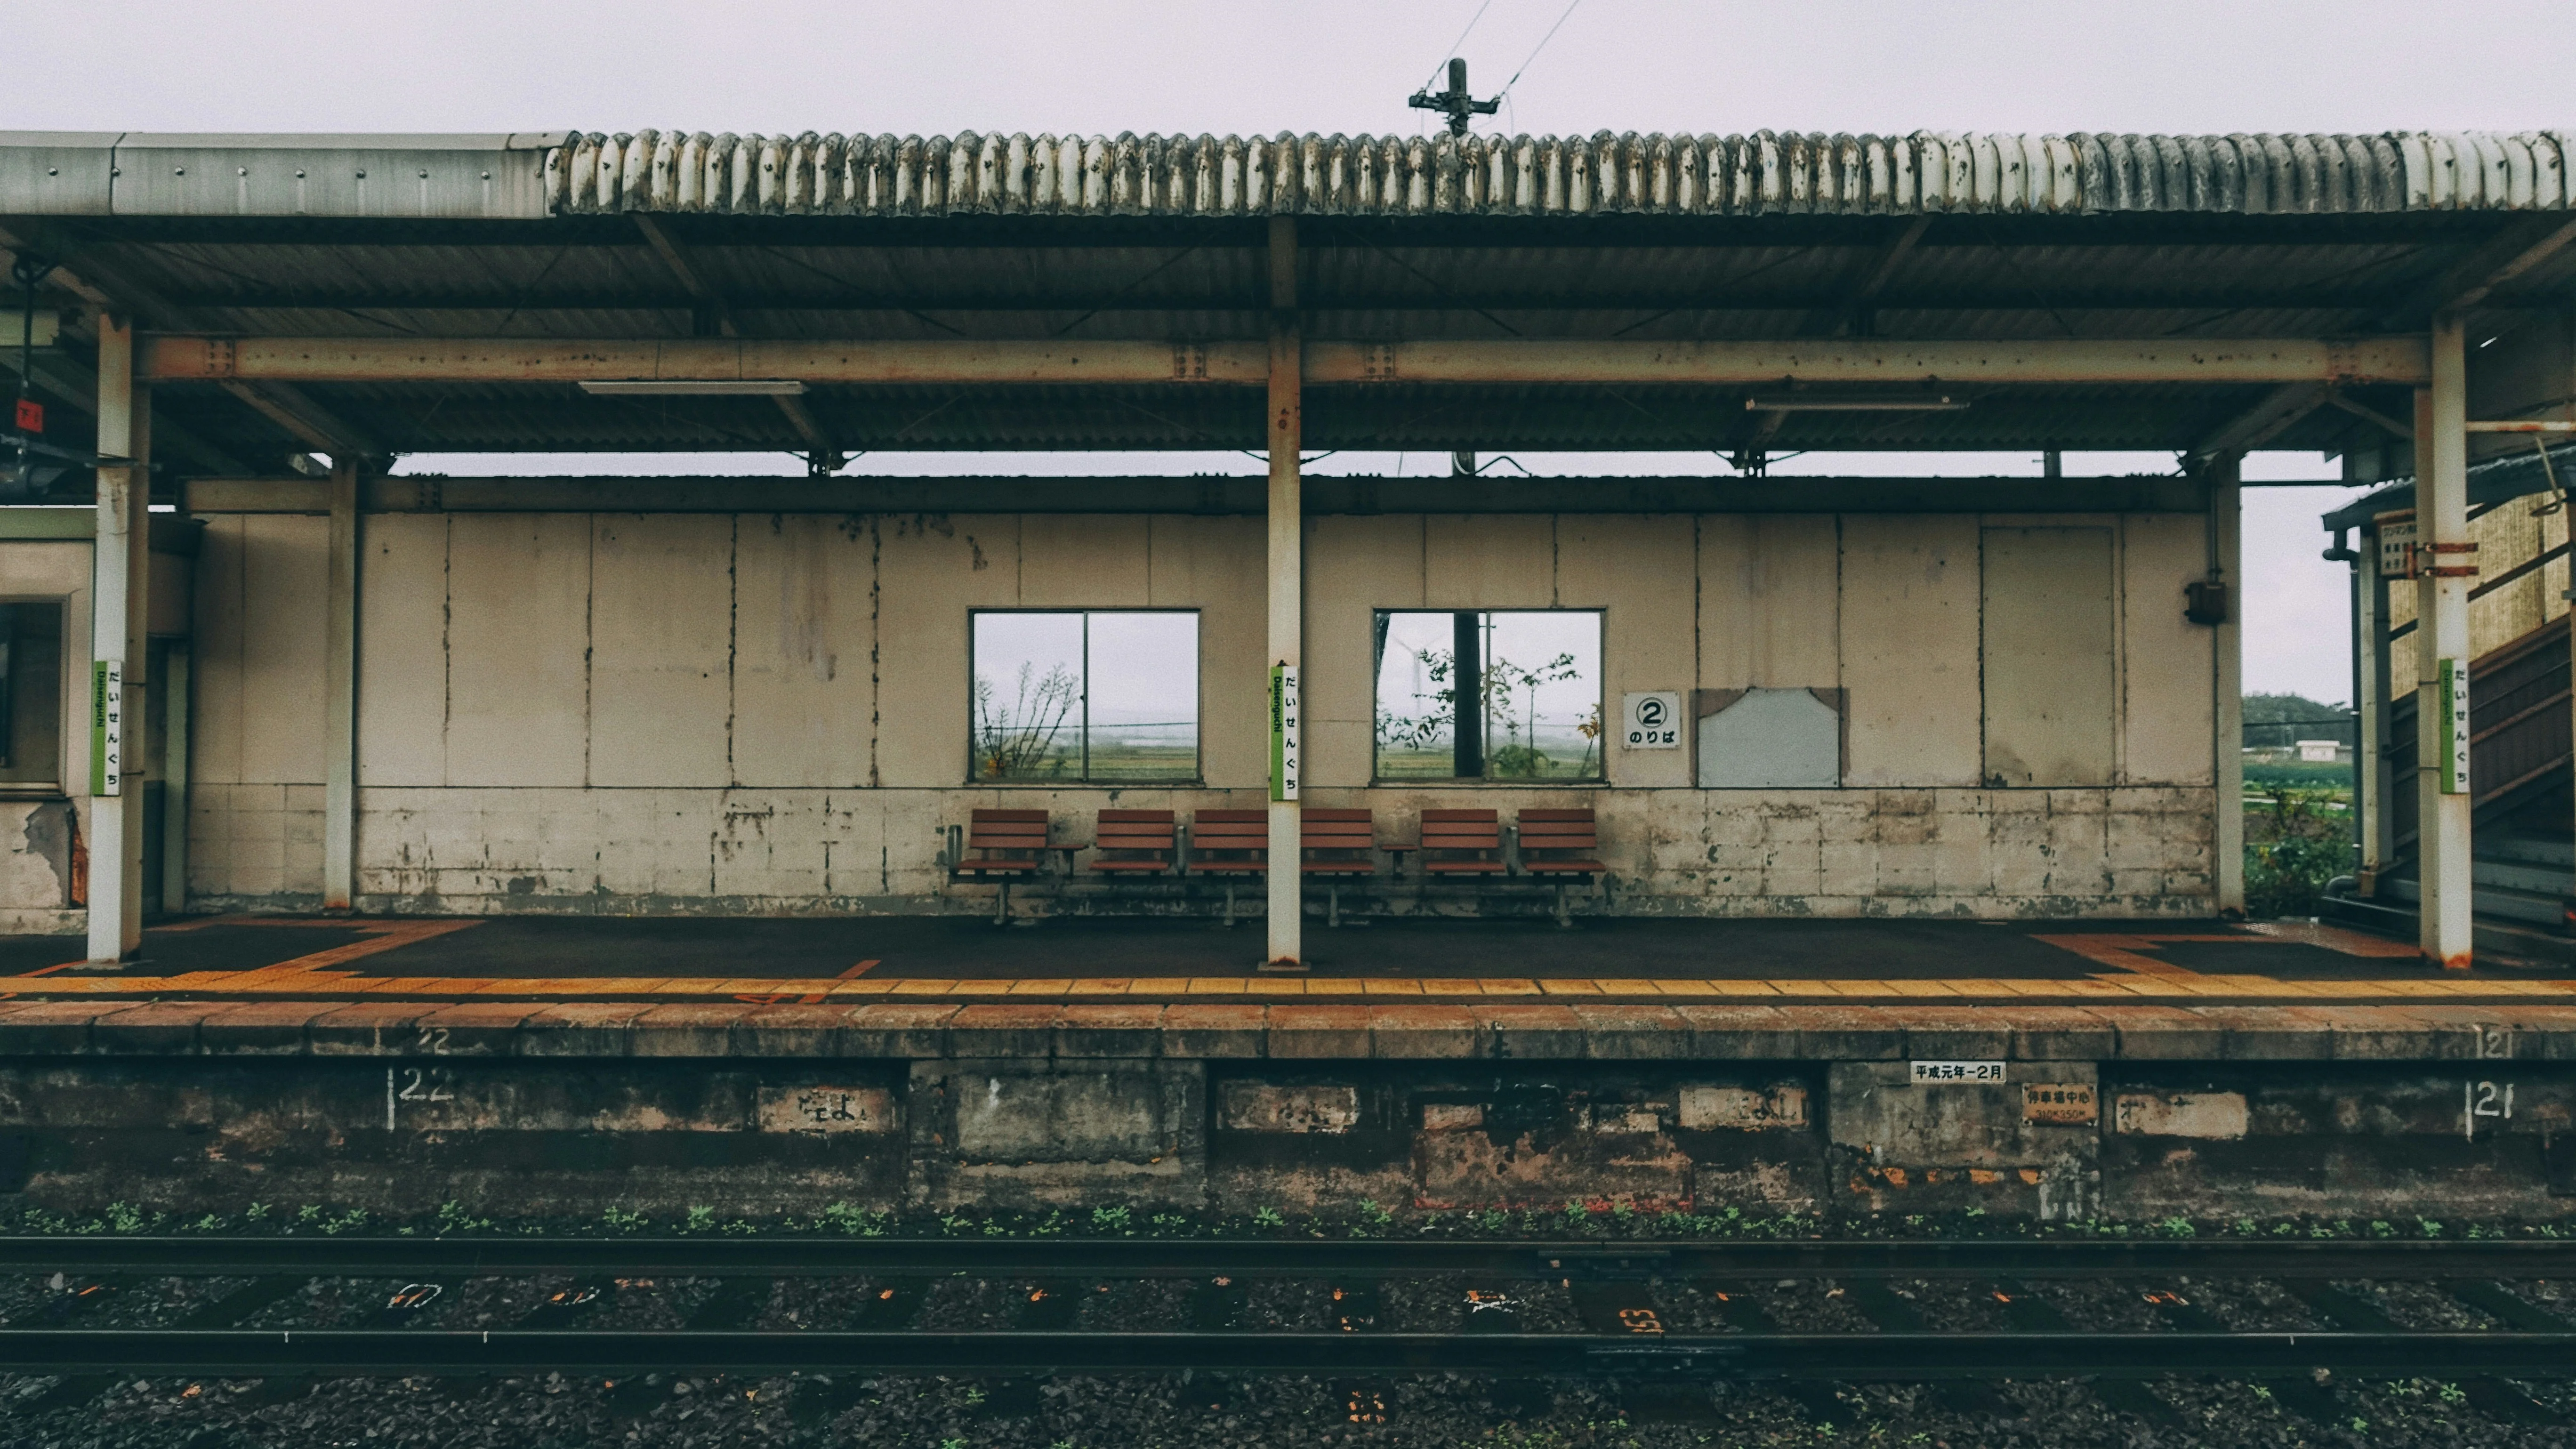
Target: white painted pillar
[
  {"x": 1286, "y": 917},
  {"x": 340, "y": 693},
  {"x": 120, "y": 578},
  {"x": 2442, "y": 844},
  {"x": 2227, "y": 679}
]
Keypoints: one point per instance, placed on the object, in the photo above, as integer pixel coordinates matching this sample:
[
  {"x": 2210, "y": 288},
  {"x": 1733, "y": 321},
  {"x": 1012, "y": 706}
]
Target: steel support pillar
[
  {"x": 2227, "y": 680},
  {"x": 340, "y": 692},
  {"x": 2442, "y": 843},
  {"x": 1287, "y": 573},
  {"x": 120, "y": 580}
]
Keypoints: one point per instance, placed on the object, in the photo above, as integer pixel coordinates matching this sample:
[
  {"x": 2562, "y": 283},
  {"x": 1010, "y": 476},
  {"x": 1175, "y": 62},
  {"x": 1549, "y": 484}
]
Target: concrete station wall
[
  {"x": 763, "y": 712},
  {"x": 45, "y": 826}
]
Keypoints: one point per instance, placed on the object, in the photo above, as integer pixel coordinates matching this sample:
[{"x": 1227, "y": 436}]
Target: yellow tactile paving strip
[
  {"x": 2136, "y": 974},
  {"x": 2092, "y": 990}
]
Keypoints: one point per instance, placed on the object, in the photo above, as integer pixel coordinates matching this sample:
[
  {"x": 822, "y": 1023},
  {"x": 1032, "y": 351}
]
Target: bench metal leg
[
  {"x": 1002, "y": 903},
  {"x": 1562, "y": 918},
  {"x": 1229, "y": 903},
  {"x": 1333, "y": 905}
]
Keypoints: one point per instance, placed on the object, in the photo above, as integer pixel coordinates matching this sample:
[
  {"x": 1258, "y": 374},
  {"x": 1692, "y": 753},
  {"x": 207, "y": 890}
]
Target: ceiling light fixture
[
  {"x": 1853, "y": 405},
  {"x": 749, "y": 387}
]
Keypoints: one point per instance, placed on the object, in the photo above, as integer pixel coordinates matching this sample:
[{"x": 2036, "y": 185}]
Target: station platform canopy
[{"x": 380, "y": 295}]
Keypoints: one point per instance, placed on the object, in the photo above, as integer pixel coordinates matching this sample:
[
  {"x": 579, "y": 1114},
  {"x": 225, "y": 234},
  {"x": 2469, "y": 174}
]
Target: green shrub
[{"x": 2294, "y": 844}]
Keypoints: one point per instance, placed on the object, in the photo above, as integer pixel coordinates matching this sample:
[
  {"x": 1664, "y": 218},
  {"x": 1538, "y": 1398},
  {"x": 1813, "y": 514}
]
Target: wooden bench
[
  {"x": 1559, "y": 845},
  {"x": 1229, "y": 844},
  {"x": 1459, "y": 842},
  {"x": 1334, "y": 844},
  {"x": 1009, "y": 845},
  {"x": 1134, "y": 842},
  {"x": 1337, "y": 844}
]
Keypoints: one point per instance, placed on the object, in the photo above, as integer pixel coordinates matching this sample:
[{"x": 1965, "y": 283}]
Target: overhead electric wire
[
  {"x": 1542, "y": 45},
  {"x": 1453, "y": 45}
]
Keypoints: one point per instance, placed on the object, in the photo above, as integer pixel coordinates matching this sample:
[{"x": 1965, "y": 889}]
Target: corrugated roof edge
[
  {"x": 1128, "y": 175},
  {"x": 2496, "y": 480},
  {"x": 1763, "y": 173}
]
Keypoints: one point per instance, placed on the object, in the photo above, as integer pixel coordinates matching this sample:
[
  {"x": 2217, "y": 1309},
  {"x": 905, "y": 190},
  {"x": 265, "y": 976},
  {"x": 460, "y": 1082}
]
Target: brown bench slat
[
  {"x": 1014, "y": 842},
  {"x": 1473, "y": 840},
  {"x": 1144, "y": 842},
  {"x": 1349, "y": 836},
  {"x": 1557, "y": 831},
  {"x": 1243, "y": 834}
]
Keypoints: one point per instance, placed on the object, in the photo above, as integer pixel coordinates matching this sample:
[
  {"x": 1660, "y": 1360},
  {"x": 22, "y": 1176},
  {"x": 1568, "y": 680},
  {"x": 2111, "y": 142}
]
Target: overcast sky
[{"x": 1336, "y": 65}]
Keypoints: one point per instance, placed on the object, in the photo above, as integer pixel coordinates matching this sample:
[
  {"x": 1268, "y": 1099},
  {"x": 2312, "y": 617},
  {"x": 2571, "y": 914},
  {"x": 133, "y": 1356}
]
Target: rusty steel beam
[
  {"x": 2279, "y": 410},
  {"x": 269, "y": 360},
  {"x": 714, "y": 310},
  {"x": 101, "y": 285}
]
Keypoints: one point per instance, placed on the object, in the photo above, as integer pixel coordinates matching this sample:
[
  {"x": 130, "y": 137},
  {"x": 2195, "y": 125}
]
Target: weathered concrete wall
[
  {"x": 2057, "y": 1140},
  {"x": 766, "y": 712},
  {"x": 39, "y": 827}
]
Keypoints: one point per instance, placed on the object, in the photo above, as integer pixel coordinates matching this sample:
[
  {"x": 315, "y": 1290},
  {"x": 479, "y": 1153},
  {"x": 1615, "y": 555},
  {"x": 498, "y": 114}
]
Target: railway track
[{"x": 250, "y": 1307}]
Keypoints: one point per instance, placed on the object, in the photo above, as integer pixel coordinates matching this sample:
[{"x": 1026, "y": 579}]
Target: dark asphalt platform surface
[{"x": 969, "y": 948}]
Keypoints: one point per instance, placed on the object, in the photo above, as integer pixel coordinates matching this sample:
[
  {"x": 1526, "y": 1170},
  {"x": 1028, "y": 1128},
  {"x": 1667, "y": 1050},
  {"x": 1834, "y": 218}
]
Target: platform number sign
[
  {"x": 106, "y": 726},
  {"x": 1283, "y": 732},
  {"x": 2452, "y": 717},
  {"x": 1652, "y": 720}
]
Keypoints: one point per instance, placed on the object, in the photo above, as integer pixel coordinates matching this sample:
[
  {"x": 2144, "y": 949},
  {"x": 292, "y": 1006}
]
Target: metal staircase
[{"x": 2524, "y": 844}]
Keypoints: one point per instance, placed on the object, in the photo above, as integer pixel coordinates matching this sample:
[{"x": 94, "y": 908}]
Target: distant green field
[
  {"x": 2319, "y": 776},
  {"x": 1111, "y": 764}
]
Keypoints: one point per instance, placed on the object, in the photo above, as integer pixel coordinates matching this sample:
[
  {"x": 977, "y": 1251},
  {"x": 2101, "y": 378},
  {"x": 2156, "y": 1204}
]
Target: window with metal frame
[
  {"x": 31, "y": 692},
  {"x": 1489, "y": 695},
  {"x": 1104, "y": 697}
]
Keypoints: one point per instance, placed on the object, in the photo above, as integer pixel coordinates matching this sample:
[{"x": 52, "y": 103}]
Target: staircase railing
[{"x": 2518, "y": 732}]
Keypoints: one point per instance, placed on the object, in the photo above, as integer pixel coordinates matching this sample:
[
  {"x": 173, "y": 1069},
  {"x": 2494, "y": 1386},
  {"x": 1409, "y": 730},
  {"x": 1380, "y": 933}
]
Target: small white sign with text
[
  {"x": 1935, "y": 1073},
  {"x": 1651, "y": 720}
]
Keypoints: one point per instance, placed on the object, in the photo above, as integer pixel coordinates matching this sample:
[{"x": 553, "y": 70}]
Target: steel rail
[
  {"x": 1846, "y": 1356},
  {"x": 821, "y": 1256}
]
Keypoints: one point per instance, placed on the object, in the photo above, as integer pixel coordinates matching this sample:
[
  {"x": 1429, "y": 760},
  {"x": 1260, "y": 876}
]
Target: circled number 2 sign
[{"x": 1651, "y": 720}]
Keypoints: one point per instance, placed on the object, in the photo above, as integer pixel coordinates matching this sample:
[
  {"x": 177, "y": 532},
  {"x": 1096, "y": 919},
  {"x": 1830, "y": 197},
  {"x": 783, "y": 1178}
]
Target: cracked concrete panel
[
  {"x": 802, "y": 691},
  {"x": 215, "y": 738},
  {"x": 661, "y": 628},
  {"x": 1770, "y": 601},
  {"x": 1639, "y": 572},
  {"x": 1909, "y": 649},
  {"x": 277, "y": 670},
  {"x": 35, "y": 872},
  {"x": 402, "y": 650},
  {"x": 1215, "y": 565},
  {"x": 1489, "y": 561},
  {"x": 2165, "y": 659},
  {"x": 1083, "y": 561},
  {"x": 1354, "y": 567},
  {"x": 518, "y": 636},
  {"x": 2050, "y": 656},
  {"x": 933, "y": 568}
]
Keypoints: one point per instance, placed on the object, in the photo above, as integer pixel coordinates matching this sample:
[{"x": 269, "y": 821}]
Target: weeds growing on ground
[{"x": 2294, "y": 844}]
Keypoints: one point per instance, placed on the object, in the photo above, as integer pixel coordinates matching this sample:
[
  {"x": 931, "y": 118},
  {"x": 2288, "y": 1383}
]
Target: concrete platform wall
[
  {"x": 689, "y": 712},
  {"x": 2128, "y": 1114}
]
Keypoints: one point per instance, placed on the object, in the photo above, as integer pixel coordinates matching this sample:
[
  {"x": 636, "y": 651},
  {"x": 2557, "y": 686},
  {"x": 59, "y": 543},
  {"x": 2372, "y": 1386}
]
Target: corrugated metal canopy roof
[{"x": 1649, "y": 238}]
